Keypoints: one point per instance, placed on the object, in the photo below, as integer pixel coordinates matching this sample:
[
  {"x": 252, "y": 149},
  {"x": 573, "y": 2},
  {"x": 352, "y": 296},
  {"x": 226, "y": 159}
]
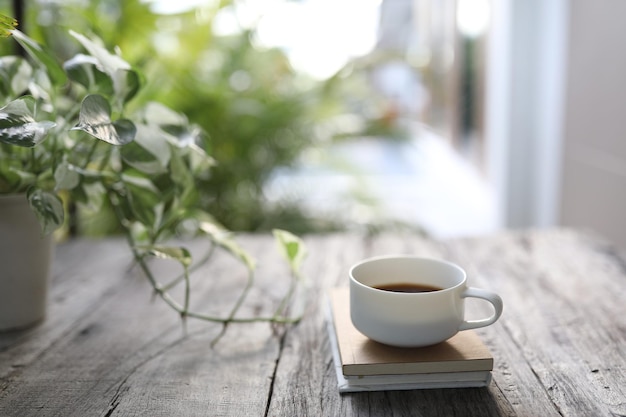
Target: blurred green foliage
[{"x": 258, "y": 112}]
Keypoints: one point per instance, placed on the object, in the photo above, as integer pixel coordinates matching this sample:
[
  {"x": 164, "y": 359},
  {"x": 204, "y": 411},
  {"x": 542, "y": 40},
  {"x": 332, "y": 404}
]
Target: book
[{"x": 362, "y": 364}]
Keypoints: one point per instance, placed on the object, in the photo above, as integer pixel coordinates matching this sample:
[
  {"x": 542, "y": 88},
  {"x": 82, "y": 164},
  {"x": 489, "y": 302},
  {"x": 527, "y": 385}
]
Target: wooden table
[{"x": 108, "y": 348}]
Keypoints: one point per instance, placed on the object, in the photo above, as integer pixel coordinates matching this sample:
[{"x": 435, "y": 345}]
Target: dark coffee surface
[{"x": 407, "y": 287}]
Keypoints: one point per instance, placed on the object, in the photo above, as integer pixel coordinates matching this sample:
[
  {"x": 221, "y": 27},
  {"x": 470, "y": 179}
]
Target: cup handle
[{"x": 490, "y": 296}]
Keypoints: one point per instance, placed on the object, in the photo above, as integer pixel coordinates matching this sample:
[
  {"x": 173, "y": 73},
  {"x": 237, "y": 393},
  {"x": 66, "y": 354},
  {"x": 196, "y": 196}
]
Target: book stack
[{"x": 364, "y": 365}]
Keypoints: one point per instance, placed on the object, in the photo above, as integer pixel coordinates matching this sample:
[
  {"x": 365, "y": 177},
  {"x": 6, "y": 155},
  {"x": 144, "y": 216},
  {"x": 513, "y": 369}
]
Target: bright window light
[
  {"x": 321, "y": 36},
  {"x": 472, "y": 17},
  {"x": 318, "y": 36}
]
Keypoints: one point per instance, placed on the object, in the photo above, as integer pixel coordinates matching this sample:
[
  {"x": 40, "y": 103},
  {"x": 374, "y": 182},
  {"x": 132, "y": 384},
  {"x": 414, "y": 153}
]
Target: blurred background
[{"x": 451, "y": 117}]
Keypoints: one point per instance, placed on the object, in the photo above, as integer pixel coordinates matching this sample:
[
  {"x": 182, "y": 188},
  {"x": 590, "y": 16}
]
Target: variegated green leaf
[
  {"x": 108, "y": 61},
  {"x": 48, "y": 208},
  {"x": 15, "y": 75},
  {"x": 224, "y": 238},
  {"x": 95, "y": 119},
  {"x": 66, "y": 176},
  {"x": 84, "y": 69},
  {"x": 18, "y": 125},
  {"x": 149, "y": 152},
  {"x": 146, "y": 201},
  {"x": 291, "y": 246},
  {"x": 7, "y": 25},
  {"x": 41, "y": 54},
  {"x": 13, "y": 179},
  {"x": 179, "y": 254}
]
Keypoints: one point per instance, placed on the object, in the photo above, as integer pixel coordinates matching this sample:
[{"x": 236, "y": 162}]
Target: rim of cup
[{"x": 381, "y": 258}]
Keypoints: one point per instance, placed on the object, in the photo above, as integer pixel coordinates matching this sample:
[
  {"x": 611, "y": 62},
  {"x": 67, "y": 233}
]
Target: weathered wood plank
[
  {"x": 564, "y": 315},
  {"x": 528, "y": 372},
  {"x": 77, "y": 285},
  {"x": 128, "y": 355},
  {"x": 305, "y": 382},
  {"x": 108, "y": 349}
]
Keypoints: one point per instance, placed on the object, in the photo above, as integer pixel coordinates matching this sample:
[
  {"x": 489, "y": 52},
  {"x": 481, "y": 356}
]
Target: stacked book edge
[{"x": 364, "y": 365}]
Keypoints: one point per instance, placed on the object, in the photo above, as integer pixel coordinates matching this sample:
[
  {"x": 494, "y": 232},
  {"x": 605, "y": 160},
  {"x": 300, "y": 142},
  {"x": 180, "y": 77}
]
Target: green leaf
[
  {"x": 184, "y": 185},
  {"x": 7, "y": 25},
  {"x": 109, "y": 62},
  {"x": 48, "y": 208},
  {"x": 291, "y": 246},
  {"x": 179, "y": 254},
  {"x": 9, "y": 181},
  {"x": 42, "y": 55},
  {"x": 139, "y": 181},
  {"x": 15, "y": 74},
  {"x": 95, "y": 119},
  {"x": 224, "y": 238},
  {"x": 84, "y": 70},
  {"x": 90, "y": 195},
  {"x": 127, "y": 84},
  {"x": 149, "y": 152},
  {"x": 66, "y": 176},
  {"x": 145, "y": 199},
  {"x": 19, "y": 179},
  {"x": 126, "y": 81},
  {"x": 180, "y": 173},
  {"x": 199, "y": 160},
  {"x": 137, "y": 157},
  {"x": 18, "y": 126},
  {"x": 154, "y": 141},
  {"x": 159, "y": 114}
]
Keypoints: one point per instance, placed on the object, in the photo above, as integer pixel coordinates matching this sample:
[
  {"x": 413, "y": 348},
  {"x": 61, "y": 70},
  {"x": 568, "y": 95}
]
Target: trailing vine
[{"x": 67, "y": 138}]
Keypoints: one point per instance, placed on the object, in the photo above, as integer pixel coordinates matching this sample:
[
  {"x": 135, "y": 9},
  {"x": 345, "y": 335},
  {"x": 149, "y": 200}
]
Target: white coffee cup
[{"x": 413, "y": 319}]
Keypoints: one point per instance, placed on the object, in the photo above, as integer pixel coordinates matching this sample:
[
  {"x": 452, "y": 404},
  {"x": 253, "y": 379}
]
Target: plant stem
[
  {"x": 187, "y": 291},
  {"x": 33, "y": 158},
  {"x": 236, "y": 307},
  {"x": 195, "y": 266},
  {"x": 259, "y": 319},
  {"x": 140, "y": 258}
]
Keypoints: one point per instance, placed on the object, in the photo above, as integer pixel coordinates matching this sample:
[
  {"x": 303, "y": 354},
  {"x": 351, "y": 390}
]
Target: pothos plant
[{"x": 66, "y": 135}]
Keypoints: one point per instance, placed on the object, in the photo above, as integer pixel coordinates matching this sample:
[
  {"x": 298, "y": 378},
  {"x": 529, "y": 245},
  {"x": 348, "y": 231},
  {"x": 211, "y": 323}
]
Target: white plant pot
[{"x": 25, "y": 257}]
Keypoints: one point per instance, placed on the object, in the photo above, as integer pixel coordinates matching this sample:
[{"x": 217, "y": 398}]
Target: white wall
[
  {"x": 525, "y": 73},
  {"x": 556, "y": 118},
  {"x": 594, "y": 158}
]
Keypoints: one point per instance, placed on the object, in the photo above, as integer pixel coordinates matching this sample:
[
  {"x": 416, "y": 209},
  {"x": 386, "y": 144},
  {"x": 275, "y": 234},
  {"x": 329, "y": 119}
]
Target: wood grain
[{"x": 107, "y": 348}]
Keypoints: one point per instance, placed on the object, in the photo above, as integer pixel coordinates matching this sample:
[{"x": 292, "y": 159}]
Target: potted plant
[{"x": 68, "y": 136}]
